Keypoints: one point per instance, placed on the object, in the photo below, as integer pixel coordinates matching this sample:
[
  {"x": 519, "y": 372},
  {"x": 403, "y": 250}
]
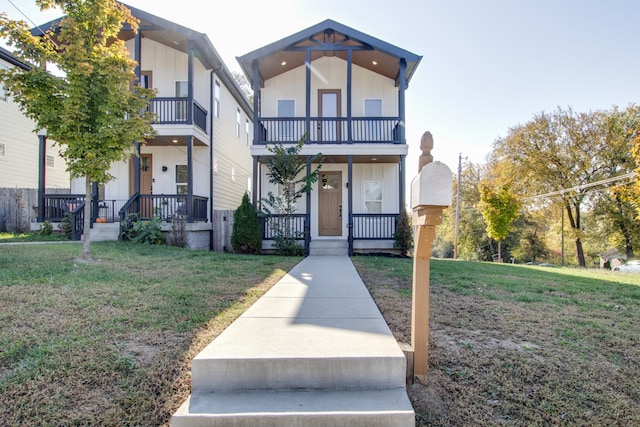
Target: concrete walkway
[{"x": 314, "y": 350}]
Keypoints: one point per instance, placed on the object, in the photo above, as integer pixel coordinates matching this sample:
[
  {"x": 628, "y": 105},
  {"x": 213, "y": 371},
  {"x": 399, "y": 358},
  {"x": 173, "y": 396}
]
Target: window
[
  {"x": 373, "y": 130},
  {"x": 3, "y": 150},
  {"x": 286, "y": 110},
  {"x": 181, "y": 179},
  {"x": 3, "y": 94},
  {"x": 182, "y": 91},
  {"x": 216, "y": 99},
  {"x": 146, "y": 80},
  {"x": 246, "y": 128},
  {"x": 373, "y": 197},
  {"x": 50, "y": 161},
  {"x": 238, "y": 121}
]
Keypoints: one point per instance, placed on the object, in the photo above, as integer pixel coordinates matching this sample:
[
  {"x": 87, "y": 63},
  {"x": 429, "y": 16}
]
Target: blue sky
[{"x": 487, "y": 65}]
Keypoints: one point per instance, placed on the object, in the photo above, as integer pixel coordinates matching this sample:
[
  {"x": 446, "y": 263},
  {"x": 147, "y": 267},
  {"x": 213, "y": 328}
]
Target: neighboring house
[
  {"x": 612, "y": 258},
  {"x": 199, "y": 162},
  {"x": 345, "y": 91},
  {"x": 25, "y": 160}
]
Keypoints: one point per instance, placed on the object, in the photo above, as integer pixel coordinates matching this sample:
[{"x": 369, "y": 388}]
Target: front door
[
  {"x": 146, "y": 177},
  {"x": 329, "y": 108},
  {"x": 330, "y": 204}
]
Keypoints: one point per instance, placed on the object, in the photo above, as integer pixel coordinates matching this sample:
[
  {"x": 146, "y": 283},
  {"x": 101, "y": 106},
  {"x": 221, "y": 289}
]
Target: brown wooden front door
[
  {"x": 330, "y": 204},
  {"x": 146, "y": 176}
]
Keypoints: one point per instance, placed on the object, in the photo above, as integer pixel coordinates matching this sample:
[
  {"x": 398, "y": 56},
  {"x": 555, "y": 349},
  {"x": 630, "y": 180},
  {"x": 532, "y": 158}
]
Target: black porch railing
[
  {"x": 176, "y": 111},
  {"x": 164, "y": 206},
  {"x": 374, "y": 226},
  {"x": 335, "y": 130},
  {"x": 275, "y": 225}
]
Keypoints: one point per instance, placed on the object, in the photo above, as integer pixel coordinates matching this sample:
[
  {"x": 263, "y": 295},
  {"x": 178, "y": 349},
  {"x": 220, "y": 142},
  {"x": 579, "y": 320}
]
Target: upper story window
[
  {"x": 216, "y": 99},
  {"x": 3, "y": 94},
  {"x": 146, "y": 80},
  {"x": 373, "y": 107},
  {"x": 238, "y": 122},
  {"x": 286, "y": 109},
  {"x": 373, "y": 197},
  {"x": 182, "y": 91}
]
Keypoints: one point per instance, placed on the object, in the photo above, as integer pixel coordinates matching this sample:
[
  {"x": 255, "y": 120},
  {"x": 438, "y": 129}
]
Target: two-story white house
[
  {"x": 344, "y": 91},
  {"x": 25, "y": 159},
  {"x": 199, "y": 162}
]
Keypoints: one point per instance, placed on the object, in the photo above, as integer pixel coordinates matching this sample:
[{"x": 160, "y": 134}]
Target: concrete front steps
[
  {"x": 313, "y": 351},
  {"x": 102, "y": 232},
  {"x": 332, "y": 247}
]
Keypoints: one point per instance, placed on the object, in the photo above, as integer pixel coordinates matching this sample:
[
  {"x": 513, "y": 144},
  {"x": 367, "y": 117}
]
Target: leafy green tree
[
  {"x": 557, "y": 152},
  {"x": 246, "y": 236},
  {"x": 499, "y": 208},
  {"x": 93, "y": 110},
  {"x": 285, "y": 169}
]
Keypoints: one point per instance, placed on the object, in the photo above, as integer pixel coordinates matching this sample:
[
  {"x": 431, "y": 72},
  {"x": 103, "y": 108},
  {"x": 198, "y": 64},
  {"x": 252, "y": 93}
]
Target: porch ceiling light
[
  {"x": 373, "y": 159},
  {"x": 374, "y": 62},
  {"x": 175, "y": 141},
  {"x": 283, "y": 63}
]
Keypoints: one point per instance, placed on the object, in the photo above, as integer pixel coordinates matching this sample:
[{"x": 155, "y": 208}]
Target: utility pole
[{"x": 455, "y": 241}]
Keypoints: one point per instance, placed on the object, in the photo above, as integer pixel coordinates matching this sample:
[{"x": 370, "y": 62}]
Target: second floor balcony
[
  {"x": 176, "y": 111},
  {"x": 334, "y": 130}
]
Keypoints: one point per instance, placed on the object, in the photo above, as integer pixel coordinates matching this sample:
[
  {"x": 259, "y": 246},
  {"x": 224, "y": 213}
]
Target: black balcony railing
[
  {"x": 176, "y": 111},
  {"x": 374, "y": 226},
  {"x": 336, "y": 130}
]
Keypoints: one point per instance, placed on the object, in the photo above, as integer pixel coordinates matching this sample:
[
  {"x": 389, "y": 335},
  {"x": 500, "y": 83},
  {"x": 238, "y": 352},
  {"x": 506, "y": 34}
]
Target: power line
[{"x": 582, "y": 186}]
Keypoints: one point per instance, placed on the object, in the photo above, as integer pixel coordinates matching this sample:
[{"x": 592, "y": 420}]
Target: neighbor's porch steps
[{"x": 313, "y": 351}]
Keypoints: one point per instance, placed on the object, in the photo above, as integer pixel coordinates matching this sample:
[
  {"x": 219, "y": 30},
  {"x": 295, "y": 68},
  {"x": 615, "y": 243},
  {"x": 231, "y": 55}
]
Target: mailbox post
[{"x": 431, "y": 193}]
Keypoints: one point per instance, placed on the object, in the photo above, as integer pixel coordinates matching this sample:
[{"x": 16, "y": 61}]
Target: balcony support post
[
  {"x": 307, "y": 124},
  {"x": 350, "y": 202},
  {"x": 190, "y": 74},
  {"x": 401, "y": 98},
  {"x": 189, "y": 179},
  {"x": 349, "y": 79},
  {"x": 307, "y": 219}
]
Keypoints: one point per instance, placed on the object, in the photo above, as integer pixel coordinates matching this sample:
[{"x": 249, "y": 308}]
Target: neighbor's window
[
  {"x": 182, "y": 91},
  {"x": 3, "y": 94},
  {"x": 181, "y": 179},
  {"x": 50, "y": 161},
  {"x": 146, "y": 80},
  {"x": 373, "y": 196},
  {"x": 373, "y": 107},
  {"x": 286, "y": 109},
  {"x": 238, "y": 122},
  {"x": 216, "y": 99}
]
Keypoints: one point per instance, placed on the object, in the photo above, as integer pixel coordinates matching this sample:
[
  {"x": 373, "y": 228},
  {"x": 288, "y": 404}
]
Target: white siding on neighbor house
[
  {"x": 233, "y": 166},
  {"x": 20, "y": 163},
  {"x": 329, "y": 73}
]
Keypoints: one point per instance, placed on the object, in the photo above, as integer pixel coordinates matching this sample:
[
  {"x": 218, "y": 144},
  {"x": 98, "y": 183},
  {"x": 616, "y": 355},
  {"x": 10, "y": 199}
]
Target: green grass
[
  {"x": 32, "y": 237},
  {"x": 110, "y": 342},
  {"x": 520, "y": 345}
]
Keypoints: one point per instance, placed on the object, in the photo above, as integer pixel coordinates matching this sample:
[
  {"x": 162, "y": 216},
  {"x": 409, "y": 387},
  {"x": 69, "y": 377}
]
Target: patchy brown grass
[{"x": 512, "y": 345}]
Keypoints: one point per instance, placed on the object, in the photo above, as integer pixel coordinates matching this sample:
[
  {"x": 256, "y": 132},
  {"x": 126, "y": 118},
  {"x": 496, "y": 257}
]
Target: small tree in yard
[
  {"x": 499, "y": 209},
  {"x": 246, "y": 236},
  {"x": 285, "y": 170},
  {"x": 403, "y": 237},
  {"x": 93, "y": 111}
]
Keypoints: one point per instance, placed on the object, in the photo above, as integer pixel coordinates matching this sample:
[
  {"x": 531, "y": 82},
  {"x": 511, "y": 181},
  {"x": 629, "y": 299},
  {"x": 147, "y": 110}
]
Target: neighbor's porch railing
[
  {"x": 333, "y": 130},
  {"x": 176, "y": 111},
  {"x": 164, "y": 206}
]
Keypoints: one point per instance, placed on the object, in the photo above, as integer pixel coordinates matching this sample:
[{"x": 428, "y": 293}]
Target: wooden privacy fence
[
  {"x": 18, "y": 207},
  {"x": 222, "y": 228}
]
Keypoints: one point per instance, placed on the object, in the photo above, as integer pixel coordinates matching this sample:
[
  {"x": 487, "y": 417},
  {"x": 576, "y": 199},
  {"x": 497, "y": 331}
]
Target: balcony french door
[{"x": 329, "y": 108}]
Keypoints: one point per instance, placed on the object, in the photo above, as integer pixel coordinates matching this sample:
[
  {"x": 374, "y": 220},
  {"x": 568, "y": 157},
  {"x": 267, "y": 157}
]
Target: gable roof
[
  {"x": 329, "y": 38},
  {"x": 176, "y": 37},
  {"x": 7, "y": 56}
]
